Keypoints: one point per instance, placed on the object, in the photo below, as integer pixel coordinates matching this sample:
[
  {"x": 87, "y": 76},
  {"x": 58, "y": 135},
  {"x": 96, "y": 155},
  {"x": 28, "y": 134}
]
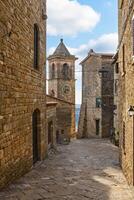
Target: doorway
[
  {"x": 97, "y": 126},
  {"x": 50, "y": 132}
]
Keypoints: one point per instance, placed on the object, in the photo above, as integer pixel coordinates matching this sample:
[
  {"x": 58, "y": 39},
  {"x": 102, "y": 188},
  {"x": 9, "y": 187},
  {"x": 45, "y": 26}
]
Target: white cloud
[
  {"x": 69, "y": 17},
  {"x": 106, "y": 43}
]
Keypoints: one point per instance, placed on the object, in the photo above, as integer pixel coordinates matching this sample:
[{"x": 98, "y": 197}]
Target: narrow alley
[{"x": 84, "y": 169}]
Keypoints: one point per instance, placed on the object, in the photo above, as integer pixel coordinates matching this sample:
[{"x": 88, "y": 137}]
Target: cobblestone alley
[{"x": 85, "y": 169}]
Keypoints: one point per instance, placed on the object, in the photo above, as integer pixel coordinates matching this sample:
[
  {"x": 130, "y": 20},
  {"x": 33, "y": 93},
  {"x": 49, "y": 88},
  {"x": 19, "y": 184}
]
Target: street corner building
[
  {"x": 126, "y": 87},
  {"x": 61, "y": 88},
  {"x": 96, "y": 115},
  {"x": 22, "y": 87}
]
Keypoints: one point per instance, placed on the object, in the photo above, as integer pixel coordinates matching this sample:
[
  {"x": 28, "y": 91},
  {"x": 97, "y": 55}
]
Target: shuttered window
[{"x": 53, "y": 70}]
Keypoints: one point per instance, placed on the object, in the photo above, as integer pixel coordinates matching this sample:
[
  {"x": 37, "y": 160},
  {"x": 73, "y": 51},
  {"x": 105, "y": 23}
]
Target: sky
[{"x": 84, "y": 25}]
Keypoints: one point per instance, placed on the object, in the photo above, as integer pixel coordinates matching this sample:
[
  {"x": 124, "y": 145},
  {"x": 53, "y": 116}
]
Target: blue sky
[{"x": 83, "y": 24}]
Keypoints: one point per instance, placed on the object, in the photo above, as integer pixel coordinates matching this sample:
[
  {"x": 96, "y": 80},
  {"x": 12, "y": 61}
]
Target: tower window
[
  {"x": 53, "y": 70},
  {"x": 65, "y": 71},
  {"x": 36, "y": 46}
]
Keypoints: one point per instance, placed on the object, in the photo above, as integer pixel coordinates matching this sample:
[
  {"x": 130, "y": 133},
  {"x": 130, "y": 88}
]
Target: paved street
[{"x": 85, "y": 169}]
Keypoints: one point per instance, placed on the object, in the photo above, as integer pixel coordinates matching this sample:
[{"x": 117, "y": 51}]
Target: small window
[
  {"x": 65, "y": 71},
  {"x": 36, "y": 46},
  {"x": 98, "y": 102},
  {"x": 104, "y": 74},
  {"x": 62, "y": 132},
  {"x": 53, "y": 70}
]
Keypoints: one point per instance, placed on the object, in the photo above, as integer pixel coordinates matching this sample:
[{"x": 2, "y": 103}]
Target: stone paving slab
[{"x": 82, "y": 170}]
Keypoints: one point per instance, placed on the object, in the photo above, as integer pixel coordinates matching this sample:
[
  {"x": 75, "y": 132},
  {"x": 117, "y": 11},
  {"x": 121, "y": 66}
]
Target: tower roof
[{"x": 61, "y": 50}]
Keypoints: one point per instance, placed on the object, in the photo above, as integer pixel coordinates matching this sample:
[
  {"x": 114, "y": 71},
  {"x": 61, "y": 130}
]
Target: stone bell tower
[
  {"x": 62, "y": 74},
  {"x": 61, "y": 85}
]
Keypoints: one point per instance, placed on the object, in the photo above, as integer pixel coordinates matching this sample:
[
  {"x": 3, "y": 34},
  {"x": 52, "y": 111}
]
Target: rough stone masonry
[{"x": 22, "y": 86}]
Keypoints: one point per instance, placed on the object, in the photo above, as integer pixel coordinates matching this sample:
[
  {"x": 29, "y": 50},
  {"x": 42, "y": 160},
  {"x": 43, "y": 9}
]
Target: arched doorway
[{"x": 35, "y": 134}]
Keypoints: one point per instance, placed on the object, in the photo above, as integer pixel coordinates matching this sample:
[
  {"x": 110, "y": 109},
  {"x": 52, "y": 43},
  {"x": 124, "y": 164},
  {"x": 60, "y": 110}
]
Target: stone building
[
  {"x": 51, "y": 122},
  {"x": 96, "y": 115},
  {"x": 22, "y": 87},
  {"x": 61, "y": 85},
  {"x": 126, "y": 86},
  {"x": 62, "y": 120}
]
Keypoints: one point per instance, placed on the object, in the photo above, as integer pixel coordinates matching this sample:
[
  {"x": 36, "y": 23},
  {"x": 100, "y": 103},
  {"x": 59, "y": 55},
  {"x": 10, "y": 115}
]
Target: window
[
  {"x": 98, "y": 102},
  {"x": 53, "y": 70},
  {"x": 65, "y": 71},
  {"x": 104, "y": 74},
  {"x": 36, "y": 46}
]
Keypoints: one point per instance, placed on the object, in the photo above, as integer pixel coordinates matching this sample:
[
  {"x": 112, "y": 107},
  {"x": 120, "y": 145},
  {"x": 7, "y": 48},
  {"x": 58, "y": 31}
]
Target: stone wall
[
  {"x": 64, "y": 117},
  {"x": 126, "y": 88},
  {"x": 22, "y": 88}
]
